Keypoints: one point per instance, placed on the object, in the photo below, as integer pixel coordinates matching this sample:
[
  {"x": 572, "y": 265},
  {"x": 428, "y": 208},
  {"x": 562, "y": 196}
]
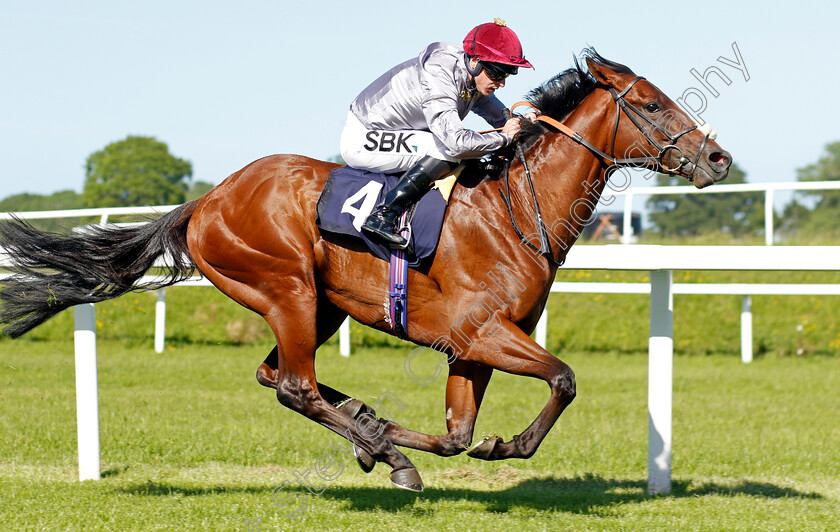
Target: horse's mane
[{"x": 561, "y": 94}]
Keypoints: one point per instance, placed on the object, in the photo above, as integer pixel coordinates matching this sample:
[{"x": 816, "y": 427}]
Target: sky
[{"x": 225, "y": 83}]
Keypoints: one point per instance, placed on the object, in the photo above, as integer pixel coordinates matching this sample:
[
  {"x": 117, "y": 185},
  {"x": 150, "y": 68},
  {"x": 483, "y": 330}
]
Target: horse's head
[{"x": 650, "y": 128}]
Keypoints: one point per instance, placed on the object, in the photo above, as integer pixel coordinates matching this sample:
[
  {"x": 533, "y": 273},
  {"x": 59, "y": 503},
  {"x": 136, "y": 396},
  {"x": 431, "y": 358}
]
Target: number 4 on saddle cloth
[
  {"x": 348, "y": 198},
  {"x": 350, "y": 195}
]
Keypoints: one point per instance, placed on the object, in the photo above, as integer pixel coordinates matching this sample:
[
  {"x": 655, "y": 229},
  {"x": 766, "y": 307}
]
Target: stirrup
[
  {"x": 394, "y": 241},
  {"x": 377, "y": 228}
]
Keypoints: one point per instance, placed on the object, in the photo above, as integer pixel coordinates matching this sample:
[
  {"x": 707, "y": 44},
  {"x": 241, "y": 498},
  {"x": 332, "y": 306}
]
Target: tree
[
  {"x": 738, "y": 213},
  {"x": 198, "y": 189},
  {"x": 337, "y": 158},
  {"x": 65, "y": 199},
  {"x": 822, "y": 218},
  {"x": 133, "y": 172}
]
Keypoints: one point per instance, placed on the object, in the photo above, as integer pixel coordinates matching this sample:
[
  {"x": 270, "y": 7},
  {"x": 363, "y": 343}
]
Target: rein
[
  {"x": 545, "y": 245},
  {"x": 621, "y": 106}
]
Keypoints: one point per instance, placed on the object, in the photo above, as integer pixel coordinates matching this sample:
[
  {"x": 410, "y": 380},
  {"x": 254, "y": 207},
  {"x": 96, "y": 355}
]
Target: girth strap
[{"x": 398, "y": 282}]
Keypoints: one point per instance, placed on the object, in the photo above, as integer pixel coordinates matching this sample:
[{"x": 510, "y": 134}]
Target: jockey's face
[{"x": 483, "y": 83}]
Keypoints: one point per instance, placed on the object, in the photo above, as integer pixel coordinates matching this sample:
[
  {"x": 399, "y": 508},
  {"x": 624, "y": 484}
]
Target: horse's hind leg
[
  {"x": 268, "y": 376},
  {"x": 298, "y": 390},
  {"x": 289, "y": 306},
  {"x": 330, "y": 318}
]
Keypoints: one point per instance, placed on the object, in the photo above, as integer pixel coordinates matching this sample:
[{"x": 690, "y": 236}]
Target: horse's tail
[{"x": 54, "y": 271}]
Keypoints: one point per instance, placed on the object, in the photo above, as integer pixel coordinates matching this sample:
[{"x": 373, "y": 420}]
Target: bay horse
[{"x": 254, "y": 237}]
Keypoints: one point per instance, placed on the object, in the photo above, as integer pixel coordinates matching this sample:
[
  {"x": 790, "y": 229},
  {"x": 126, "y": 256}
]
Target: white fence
[
  {"x": 769, "y": 190},
  {"x": 660, "y": 261},
  {"x": 745, "y": 290},
  {"x": 103, "y": 213}
]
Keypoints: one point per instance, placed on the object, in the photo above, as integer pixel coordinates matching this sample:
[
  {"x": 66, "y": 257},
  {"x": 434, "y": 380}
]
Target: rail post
[
  {"x": 746, "y": 329},
  {"x": 542, "y": 328},
  {"x": 627, "y": 222},
  {"x": 344, "y": 338},
  {"x": 768, "y": 216},
  {"x": 87, "y": 392},
  {"x": 660, "y": 381},
  {"x": 160, "y": 320}
]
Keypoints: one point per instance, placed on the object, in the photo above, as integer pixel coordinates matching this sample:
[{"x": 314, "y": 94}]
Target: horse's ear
[{"x": 602, "y": 73}]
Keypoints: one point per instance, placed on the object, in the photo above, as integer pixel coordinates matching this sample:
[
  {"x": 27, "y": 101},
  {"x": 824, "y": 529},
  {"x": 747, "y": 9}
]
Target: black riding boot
[{"x": 382, "y": 223}]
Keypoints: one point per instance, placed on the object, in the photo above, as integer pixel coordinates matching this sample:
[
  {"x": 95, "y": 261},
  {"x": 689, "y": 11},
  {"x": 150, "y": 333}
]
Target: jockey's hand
[{"x": 512, "y": 127}]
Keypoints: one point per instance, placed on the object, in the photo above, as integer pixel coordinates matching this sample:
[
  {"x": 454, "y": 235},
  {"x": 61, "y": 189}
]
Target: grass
[{"x": 190, "y": 441}]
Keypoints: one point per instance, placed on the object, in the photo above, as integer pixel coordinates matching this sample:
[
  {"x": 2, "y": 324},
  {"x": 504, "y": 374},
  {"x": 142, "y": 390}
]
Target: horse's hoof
[
  {"x": 484, "y": 448},
  {"x": 365, "y": 460},
  {"x": 407, "y": 479},
  {"x": 354, "y": 408}
]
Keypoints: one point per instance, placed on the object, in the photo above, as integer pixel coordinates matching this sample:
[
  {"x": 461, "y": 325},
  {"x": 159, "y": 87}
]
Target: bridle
[
  {"x": 634, "y": 114},
  {"x": 615, "y": 163},
  {"x": 622, "y": 104}
]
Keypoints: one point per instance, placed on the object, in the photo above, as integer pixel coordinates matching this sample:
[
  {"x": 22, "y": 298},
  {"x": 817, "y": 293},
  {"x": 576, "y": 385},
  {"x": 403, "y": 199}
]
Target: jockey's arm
[{"x": 440, "y": 107}]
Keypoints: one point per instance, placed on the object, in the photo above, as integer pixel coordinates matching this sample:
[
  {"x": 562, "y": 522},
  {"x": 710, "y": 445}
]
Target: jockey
[{"x": 409, "y": 120}]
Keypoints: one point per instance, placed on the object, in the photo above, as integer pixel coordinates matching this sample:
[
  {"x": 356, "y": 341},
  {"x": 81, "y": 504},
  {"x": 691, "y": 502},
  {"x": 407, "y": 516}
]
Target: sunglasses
[{"x": 496, "y": 72}]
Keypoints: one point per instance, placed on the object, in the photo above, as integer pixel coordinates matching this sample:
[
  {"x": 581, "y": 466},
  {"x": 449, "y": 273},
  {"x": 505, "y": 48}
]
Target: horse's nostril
[{"x": 718, "y": 158}]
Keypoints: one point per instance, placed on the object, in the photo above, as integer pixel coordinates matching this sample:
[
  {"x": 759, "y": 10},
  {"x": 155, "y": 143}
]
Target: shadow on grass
[
  {"x": 113, "y": 471},
  {"x": 580, "y": 495},
  {"x": 166, "y": 489}
]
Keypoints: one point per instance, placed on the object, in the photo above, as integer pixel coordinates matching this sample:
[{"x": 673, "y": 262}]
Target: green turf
[{"x": 190, "y": 441}]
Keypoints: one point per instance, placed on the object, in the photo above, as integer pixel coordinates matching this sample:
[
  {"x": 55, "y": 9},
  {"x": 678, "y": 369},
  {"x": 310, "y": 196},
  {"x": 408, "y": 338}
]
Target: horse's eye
[{"x": 652, "y": 107}]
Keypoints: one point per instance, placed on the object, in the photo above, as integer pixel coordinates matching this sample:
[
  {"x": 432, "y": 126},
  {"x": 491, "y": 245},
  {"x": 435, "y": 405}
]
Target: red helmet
[{"x": 496, "y": 43}]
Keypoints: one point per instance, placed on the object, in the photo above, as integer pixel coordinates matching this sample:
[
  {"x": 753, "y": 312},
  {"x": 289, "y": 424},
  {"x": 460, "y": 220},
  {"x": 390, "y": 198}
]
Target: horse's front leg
[
  {"x": 465, "y": 389},
  {"x": 512, "y": 351}
]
